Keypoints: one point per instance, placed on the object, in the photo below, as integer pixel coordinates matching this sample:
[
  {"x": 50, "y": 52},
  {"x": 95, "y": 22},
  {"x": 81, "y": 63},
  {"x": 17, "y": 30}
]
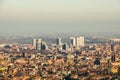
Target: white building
[{"x": 80, "y": 41}]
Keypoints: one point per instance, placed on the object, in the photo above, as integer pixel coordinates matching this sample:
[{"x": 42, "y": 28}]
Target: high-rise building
[
  {"x": 44, "y": 46},
  {"x": 35, "y": 43},
  {"x": 80, "y": 41},
  {"x": 39, "y": 44},
  {"x": 58, "y": 41},
  {"x": 72, "y": 41}
]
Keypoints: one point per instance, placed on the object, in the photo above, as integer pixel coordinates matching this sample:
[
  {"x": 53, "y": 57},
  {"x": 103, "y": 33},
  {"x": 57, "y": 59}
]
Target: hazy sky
[{"x": 51, "y": 16}]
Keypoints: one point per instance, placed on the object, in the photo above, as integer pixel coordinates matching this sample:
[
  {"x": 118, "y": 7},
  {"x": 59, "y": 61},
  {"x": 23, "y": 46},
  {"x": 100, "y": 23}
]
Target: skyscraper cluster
[
  {"x": 73, "y": 42},
  {"x": 39, "y": 44}
]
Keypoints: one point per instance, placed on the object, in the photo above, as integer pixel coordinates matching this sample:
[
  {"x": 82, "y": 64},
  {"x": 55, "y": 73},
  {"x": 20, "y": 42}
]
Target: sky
[{"x": 59, "y": 16}]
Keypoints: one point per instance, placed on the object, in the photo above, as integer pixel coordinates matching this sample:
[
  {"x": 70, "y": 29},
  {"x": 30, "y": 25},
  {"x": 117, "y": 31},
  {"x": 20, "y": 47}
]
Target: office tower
[
  {"x": 65, "y": 46},
  {"x": 58, "y": 41},
  {"x": 39, "y": 44},
  {"x": 35, "y": 43},
  {"x": 44, "y": 46},
  {"x": 79, "y": 41},
  {"x": 72, "y": 41}
]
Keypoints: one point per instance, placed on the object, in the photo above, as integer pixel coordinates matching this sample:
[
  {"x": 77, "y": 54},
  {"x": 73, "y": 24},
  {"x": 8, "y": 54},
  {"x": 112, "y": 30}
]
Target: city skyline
[
  {"x": 80, "y": 16},
  {"x": 59, "y": 40}
]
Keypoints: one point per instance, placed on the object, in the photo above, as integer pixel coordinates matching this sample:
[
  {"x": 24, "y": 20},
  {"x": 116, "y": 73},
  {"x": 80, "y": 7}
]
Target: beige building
[{"x": 80, "y": 41}]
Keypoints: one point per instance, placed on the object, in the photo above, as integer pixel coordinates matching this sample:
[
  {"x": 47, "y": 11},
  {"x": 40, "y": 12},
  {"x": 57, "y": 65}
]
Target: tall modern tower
[
  {"x": 72, "y": 41},
  {"x": 58, "y": 41},
  {"x": 80, "y": 41},
  {"x": 39, "y": 44},
  {"x": 44, "y": 46},
  {"x": 34, "y": 43}
]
